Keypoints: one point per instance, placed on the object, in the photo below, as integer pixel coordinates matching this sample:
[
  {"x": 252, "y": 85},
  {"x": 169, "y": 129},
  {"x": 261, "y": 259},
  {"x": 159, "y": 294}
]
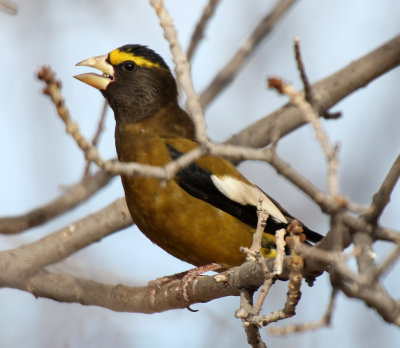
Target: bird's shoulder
[{"x": 215, "y": 165}]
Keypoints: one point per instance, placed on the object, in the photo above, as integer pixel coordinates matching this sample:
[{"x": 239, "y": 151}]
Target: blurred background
[{"x": 39, "y": 159}]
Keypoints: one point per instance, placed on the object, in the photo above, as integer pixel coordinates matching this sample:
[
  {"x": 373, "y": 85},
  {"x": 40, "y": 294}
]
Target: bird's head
[{"x": 136, "y": 81}]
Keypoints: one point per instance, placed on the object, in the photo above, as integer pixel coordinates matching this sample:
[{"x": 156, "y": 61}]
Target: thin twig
[
  {"x": 300, "y": 66},
  {"x": 262, "y": 217},
  {"x": 263, "y": 294},
  {"x": 198, "y": 32},
  {"x": 387, "y": 264},
  {"x": 382, "y": 197},
  {"x": 9, "y": 7},
  {"x": 99, "y": 130},
  {"x": 308, "y": 93},
  {"x": 254, "y": 254},
  {"x": 182, "y": 70},
  {"x": 91, "y": 152},
  {"x": 374, "y": 296},
  {"x": 326, "y": 92},
  {"x": 252, "y": 330},
  {"x": 311, "y": 116},
  {"x": 364, "y": 253},
  {"x": 73, "y": 196},
  {"x": 270, "y": 276},
  {"x": 295, "y": 278},
  {"x": 229, "y": 71},
  {"x": 280, "y": 250},
  {"x": 387, "y": 234},
  {"x": 323, "y": 322}
]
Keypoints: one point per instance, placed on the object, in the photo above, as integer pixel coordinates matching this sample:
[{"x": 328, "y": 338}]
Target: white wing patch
[{"x": 245, "y": 194}]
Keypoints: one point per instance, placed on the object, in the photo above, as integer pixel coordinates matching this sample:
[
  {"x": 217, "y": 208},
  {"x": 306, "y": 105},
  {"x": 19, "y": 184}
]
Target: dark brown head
[{"x": 136, "y": 81}]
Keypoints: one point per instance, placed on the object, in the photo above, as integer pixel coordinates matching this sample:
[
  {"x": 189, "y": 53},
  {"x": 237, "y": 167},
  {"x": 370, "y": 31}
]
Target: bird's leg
[
  {"x": 191, "y": 274},
  {"x": 155, "y": 284},
  {"x": 185, "y": 278},
  {"x": 166, "y": 279}
]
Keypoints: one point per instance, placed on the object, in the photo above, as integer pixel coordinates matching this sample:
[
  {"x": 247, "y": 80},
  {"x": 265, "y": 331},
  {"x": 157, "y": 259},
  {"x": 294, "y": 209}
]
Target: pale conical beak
[{"x": 96, "y": 80}]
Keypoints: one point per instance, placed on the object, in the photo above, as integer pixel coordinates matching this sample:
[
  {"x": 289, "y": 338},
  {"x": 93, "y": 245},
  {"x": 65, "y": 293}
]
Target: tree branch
[
  {"x": 382, "y": 197},
  {"x": 99, "y": 130},
  {"x": 73, "y": 196},
  {"x": 121, "y": 298},
  {"x": 200, "y": 27},
  {"x": 229, "y": 71},
  {"x": 27, "y": 259},
  {"x": 326, "y": 93},
  {"x": 182, "y": 70}
]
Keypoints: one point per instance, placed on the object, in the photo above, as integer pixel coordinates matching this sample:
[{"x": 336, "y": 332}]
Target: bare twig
[
  {"x": 254, "y": 254},
  {"x": 246, "y": 310},
  {"x": 325, "y": 321},
  {"x": 182, "y": 70},
  {"x": 326, "y": 93},
  {"x": 270, "y": 277},
  {"x": 73, "y": 196},
  {"x": 373, "y": 296},
  {"x": 227, "y": 73},
  {"x": 295, "y": 278},
  {"x": 387, "y": 264},
  {"x": 311, "y": 116},
  {"x": 254, "y": 337},
  {"x": 8, "y": 6},
  {"x": 91, "y": 152},
  {"x": 280, "y": 250},
  {"x": 99, "y": 130},
  {"x": 300, "y": 66},
  {"x": 268, "y": 282},
  {"x": 200, "y": 27},
  {"x": 382, "y": 197},
  {"x": 364, "y": 254},
  {"x": 387, "y": 234},
  {"x": 262, "y": 216},
  {"x": 308, "y": 93}
]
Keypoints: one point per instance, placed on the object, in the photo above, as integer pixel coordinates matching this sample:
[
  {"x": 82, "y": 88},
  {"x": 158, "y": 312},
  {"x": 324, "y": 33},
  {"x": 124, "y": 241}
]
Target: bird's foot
[
  {"x": 190, "y": 275},
  {"x": 185, "y": 278},
  {"x": 156, "y": 284}
]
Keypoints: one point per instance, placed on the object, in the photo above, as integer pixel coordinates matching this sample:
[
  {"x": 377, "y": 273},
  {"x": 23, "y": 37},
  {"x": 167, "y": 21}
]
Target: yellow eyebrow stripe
[{"x": 117, "y": 57}]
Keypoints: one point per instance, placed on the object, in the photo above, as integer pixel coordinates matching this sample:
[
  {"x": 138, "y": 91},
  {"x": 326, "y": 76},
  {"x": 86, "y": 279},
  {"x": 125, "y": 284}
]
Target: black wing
[{"x": 197, "y": 182}]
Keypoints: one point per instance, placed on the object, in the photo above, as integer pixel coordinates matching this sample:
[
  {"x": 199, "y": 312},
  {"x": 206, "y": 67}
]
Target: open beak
[{"x": 96, "y": 80}]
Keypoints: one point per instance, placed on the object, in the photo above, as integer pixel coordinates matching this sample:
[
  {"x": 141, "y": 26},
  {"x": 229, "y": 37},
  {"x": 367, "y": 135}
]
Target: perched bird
[{"x": 208, "y": 210}]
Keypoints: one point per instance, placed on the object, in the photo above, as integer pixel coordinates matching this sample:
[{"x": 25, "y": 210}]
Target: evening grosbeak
[{"x": 208, "y": 210}]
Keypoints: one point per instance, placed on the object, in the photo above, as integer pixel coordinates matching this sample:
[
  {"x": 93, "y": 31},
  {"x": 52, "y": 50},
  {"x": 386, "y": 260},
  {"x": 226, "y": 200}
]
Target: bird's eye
[{"x": 129, "y": 66}]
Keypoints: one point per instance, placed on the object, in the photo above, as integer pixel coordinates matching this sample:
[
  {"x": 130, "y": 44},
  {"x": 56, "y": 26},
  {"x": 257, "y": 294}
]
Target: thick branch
[
  {"x": 15, "y": 264},
  {"x": 376, "y": 298},
  {"x": 73, "y": 196},
  {"x": 121, "y": 298}
]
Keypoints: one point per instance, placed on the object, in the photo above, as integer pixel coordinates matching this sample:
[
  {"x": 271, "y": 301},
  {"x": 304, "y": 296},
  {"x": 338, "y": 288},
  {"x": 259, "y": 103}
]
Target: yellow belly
[{"x": 184, "y": 226}]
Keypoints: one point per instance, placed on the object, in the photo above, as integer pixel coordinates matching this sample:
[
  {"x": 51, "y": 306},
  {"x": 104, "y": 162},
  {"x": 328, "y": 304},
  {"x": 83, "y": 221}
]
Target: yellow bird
[{"x": 208, "y": 210}]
